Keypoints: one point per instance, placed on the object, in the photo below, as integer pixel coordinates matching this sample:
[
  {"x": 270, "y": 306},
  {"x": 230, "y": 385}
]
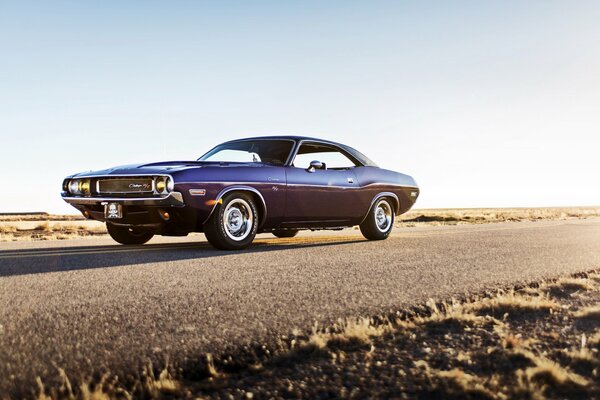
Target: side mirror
[{"x": 314, "y": 165}]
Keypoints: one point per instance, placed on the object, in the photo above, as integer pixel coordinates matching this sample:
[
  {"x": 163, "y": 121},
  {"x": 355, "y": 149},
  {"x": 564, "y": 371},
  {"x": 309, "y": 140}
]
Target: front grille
[{"x": 126, "y": 186}]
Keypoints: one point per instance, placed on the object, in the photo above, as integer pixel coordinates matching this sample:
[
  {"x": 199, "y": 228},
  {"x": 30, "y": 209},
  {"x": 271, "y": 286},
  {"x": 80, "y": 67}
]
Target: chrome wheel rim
[
  {"x": 238, "y": 219},
  {"x": 383, "y": 216}
]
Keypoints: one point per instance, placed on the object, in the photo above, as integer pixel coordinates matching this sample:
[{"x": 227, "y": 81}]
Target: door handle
[{"x": 350, "y": 180}]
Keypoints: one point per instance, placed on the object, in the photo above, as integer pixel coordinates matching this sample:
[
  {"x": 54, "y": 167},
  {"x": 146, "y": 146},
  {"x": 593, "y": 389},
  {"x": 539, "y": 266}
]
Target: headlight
[
  {"x": 84, "y": 186},
  {"x": 79, "y": 186},
  {"x": 74, "y": 187},
  {"x": 161, "y": 184},
  {"x": 170, "y": 184}
]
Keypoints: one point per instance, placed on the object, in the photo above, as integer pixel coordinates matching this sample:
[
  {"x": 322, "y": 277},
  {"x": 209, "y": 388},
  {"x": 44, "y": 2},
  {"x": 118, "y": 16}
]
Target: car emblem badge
[{"x": 139, "y": 185}]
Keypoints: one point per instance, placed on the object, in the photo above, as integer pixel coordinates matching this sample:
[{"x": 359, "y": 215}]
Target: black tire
[
  {"x": 287, "y": 233},
  {"x": 225, "y": 236},
  {"x": 127, "y": 235},
  {"x": 379, "y": 222}
]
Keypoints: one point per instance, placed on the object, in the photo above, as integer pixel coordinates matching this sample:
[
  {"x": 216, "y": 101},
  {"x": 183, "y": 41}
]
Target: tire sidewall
[
  {"x": 369, "y": 227},
  {"x": 219, "y": 213}
]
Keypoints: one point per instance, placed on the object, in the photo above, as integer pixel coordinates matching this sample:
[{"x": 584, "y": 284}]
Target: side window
[{"x": 330, "y": 156}]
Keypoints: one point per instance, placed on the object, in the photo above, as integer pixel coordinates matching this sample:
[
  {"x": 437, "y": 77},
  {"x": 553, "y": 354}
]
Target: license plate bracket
[{"x": 113, "y": 211}]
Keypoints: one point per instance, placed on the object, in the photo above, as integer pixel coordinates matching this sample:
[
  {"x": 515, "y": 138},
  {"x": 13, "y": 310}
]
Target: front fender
[
  {"x": 243, "y": 188},
  {"x": 203, "y": 192}
]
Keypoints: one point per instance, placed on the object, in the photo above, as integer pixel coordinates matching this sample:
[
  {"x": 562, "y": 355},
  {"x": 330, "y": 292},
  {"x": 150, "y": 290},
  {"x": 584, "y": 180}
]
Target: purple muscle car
[{"x": 277, "y": 184}]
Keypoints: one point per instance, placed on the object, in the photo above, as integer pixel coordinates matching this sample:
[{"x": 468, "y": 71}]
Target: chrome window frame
[{"x": 299, "y": 144}]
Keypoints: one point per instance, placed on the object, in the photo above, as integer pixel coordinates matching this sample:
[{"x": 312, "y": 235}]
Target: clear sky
[{"x": 484, "y": 103}]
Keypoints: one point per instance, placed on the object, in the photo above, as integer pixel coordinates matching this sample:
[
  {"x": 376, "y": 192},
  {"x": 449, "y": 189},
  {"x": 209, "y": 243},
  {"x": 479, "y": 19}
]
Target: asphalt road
[{"x": 90, "y": 304}]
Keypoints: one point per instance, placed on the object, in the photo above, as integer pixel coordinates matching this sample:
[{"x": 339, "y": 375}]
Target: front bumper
[{"x": 173, "y": 199}]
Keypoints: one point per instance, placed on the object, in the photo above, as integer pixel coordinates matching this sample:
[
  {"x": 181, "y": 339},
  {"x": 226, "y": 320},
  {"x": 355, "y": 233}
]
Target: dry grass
[
  {"x": 39, "y": 217},
  {"x": 447, "y": 317},
  {"x": 547, "y": 379},
  {"x": 582, "y": 356},
  {"x": 7, "y": 229},
  {"x": 534, "y": 377},
  {"x": 43, "y": 227},
  {"x": 101, "y": 390},
  {"x": 454, "y": 383},
  {"x": 210, "y": 367},
  {"x": 149, "y": 386},
  {"x": 588, "y": 318},
  {"x": 533, "y": 374},
  {"x": 163, "y": 384},
  {"x": 460, "y": 384},
  {"x": 487, "y": 215},
  {"x": 568, "y": 286},
  {"x": 511, "y": 304},
  {"x": 594, "y": 339},
  {"x": 20, "y": 231},
  {"x": 589, "y": 313},
  {"x": 331, "y": 342},
  {"x": 348, "y": 333},
  {"x": 514, "y": 341},
  {"x": 525, "y": 388},
  {"x": 553, "y": 374}
]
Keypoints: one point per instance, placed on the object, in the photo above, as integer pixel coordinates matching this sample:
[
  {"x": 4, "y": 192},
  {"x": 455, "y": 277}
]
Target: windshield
[{"x": 274, "y": 152}]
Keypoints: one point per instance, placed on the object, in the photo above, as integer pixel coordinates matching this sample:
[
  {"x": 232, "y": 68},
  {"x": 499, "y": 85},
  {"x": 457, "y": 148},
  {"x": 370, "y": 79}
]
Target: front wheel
[
  {"x": 233, "y": 224},
  {"x": 379, "y": 222},
  {"x": 127, "y": 235}
]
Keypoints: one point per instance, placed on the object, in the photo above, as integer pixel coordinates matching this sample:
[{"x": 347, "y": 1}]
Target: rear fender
[{"x": 389, "y": 195}]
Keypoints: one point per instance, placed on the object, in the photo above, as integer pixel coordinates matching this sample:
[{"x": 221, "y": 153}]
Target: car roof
[
  {"x": 355, "y": 153},
  {"x": 290, "y": 137}
]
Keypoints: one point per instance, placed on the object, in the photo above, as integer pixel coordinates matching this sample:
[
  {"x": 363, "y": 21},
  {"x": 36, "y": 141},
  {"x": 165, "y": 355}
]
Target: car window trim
[{"x": 357, "y": 162}]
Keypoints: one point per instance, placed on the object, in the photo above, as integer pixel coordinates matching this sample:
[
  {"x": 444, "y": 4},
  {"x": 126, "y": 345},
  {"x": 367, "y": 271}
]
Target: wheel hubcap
[
  {"x": 383, "y": 216},
  {"x": 238, "y": 219}
]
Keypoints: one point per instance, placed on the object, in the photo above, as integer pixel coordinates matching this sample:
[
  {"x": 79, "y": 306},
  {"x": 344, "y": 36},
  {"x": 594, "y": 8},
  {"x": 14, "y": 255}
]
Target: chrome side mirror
[{"x": 314, "y": 165}]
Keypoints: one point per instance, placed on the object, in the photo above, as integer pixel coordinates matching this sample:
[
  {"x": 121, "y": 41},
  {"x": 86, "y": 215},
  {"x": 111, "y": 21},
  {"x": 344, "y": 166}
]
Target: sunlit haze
[{"x": 486, "y": 104}]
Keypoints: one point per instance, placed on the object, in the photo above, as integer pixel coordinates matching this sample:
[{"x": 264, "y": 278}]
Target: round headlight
[
  {"x": 74, "y": 187},
  {"x": 170, "y": 184},
  {"x": 84, "y": 186},
  {"x": 161, "y": 185}
]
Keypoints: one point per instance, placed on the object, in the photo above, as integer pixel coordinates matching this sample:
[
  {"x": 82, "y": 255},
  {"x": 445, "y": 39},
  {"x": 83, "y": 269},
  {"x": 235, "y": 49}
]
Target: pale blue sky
[{"x": 484, "y": 103}]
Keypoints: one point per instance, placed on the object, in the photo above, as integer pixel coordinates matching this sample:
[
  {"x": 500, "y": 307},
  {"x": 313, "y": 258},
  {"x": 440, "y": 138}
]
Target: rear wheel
[
  {"x": 287, "y": 233},
  {"x": 234, "y": 222},
  {"x": 128, "y": 235},
  {"x": 379, "y": 222}
]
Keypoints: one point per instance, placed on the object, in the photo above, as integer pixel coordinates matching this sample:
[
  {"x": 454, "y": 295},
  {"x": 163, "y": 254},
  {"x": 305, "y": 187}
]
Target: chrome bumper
[{"x": 174, "y": 199}]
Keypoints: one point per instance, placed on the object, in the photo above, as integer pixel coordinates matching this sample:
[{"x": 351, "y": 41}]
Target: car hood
[{"x": 163, "y": 167}]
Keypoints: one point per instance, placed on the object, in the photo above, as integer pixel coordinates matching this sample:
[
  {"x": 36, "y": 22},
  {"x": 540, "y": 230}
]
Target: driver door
[{"x": 325, "y": 196}]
